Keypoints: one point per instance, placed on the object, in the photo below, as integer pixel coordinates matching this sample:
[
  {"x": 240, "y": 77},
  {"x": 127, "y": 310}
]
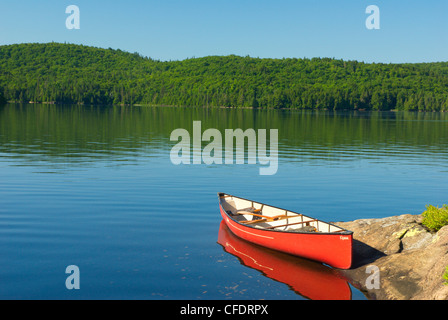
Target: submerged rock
[{"x": 410, "y": 258}]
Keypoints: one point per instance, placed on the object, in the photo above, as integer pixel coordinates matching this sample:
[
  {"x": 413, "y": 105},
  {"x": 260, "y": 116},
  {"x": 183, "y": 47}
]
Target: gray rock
[{"x": 411, "y": 259}]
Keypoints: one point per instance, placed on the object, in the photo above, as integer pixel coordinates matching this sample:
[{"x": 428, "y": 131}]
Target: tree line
[{"x": 77, "y": 74}]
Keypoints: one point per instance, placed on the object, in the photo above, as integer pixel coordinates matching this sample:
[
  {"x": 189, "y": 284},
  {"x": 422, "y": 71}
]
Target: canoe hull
[{"x": 329, "y": 248}]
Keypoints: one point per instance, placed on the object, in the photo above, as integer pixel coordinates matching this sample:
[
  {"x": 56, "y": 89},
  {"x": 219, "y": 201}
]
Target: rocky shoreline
[{"x": 409, "y": 258}]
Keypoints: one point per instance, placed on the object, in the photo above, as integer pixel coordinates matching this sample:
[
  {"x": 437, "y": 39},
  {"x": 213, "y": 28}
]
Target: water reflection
[
  {"x": 309, "y": 279},
  {"x": 80, "y": 134}
]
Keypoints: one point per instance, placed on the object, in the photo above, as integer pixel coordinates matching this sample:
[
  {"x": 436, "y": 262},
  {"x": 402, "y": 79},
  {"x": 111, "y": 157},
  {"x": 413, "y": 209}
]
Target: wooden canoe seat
[
  {"x": 248, "y": 210},
  {"x": 276, "y": 218},
  {"x": 244, "y": 212},
  {"x": 295, "y": 223},
  {"x": 305, "y": 229}
]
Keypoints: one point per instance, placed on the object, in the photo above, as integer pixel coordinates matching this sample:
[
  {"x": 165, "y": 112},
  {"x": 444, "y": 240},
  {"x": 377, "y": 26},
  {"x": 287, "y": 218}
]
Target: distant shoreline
[{"x": 223, "y": 107}]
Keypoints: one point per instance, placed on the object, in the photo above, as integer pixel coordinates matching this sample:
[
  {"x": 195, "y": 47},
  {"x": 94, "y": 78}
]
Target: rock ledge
[{"x": 411, "y": 259}]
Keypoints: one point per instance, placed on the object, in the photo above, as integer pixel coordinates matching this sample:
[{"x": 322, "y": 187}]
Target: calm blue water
[{"x": 95, "y": 187}]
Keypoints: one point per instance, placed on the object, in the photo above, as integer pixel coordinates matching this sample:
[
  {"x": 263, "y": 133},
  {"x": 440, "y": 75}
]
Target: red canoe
[{"x": 287, "y": 231}]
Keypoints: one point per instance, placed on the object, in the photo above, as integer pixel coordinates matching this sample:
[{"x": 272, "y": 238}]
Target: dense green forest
[{"x": 67, "y": 73}]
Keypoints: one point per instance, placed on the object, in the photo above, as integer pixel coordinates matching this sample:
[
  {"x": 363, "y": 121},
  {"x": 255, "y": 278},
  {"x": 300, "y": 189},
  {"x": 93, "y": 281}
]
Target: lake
[{"x": 95, "y": 187}]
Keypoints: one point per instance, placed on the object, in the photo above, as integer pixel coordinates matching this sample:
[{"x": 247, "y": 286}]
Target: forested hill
[{"x": 67, "y": 73}]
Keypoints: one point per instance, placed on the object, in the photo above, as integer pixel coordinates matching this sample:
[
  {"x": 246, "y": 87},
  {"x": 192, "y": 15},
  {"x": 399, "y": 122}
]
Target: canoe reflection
[{"x": 307, "y": 278}]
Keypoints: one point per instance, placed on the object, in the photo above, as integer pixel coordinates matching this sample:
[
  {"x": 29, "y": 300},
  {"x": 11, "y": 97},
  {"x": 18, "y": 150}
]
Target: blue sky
[{"x": 411, "y": 31}]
